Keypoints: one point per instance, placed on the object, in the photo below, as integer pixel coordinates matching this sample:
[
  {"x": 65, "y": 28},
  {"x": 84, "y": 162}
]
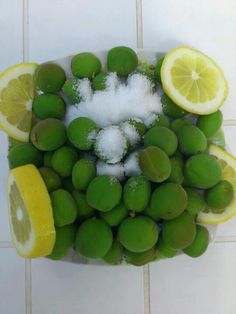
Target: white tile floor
[
  {"x": 42, "y": 30},
  {"x": 204, "y": 285},
  {"x": 77, "y": 25},
  {"x": 11, "y": 26},
  {"x": 12, "y": 282},
  {"x": 70, "y": 288}
]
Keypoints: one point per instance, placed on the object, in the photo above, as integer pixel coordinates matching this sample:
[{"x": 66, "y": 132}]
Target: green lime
[
  {"x": 48, "y": 106},
  {"x": 104, "y": 193},
  {"x": 64, "y": 208},
  {"x": 122, "y": 60},
  {"x": 199, "y": 244},
  {"x": 85, "y": 64},
  {"x": 83, "y": 173},
  {"x": 114, "y": 255},
  {"x": 138, "y": 234},
  {"x": 49, "y": 78},
  {"x": 93, "y": 239}
]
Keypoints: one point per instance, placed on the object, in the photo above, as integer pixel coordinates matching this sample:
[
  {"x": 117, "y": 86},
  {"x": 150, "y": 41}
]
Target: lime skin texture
[
  {"x": 49, "y": 78},
  {"x": 136, "y": 195},
  {"x": 138, "y": 234},
  {"x": 169, "y": 200},
  {"x": 94, "y": 238},
  {"x": 155, "y": 164},
  {"x": 199, "y": 244},
  {"x": 179, "y": 232},
  {"x": 195, "y": 171},
  {"x": 64, "y": 208},
  {"x": 114, "y": 255},
  {"x": 104, "y": 193},
  {"x": 85, "y": 64},
  {"x": 122, "y": 60},
  {"x": 48, "y": 134}
]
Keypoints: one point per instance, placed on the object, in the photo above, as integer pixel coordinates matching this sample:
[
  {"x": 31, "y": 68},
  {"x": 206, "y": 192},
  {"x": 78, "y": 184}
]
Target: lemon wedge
[
  {"x": 30, "y": 213},
  {"x": 193, "y": 80},
  {"x": 228, "y": 164},
  {"x": 16, "y": 95}
]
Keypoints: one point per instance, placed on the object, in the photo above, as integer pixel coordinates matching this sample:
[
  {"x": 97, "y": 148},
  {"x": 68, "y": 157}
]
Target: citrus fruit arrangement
[{"x": 122, "y": 161}]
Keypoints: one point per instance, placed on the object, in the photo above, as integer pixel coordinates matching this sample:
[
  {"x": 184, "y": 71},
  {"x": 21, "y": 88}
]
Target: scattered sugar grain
[
  {"x": 85, "y": 90},
  {"x": 130, "y": 133},
  {"x": 150, "y": 120},
  {"x": 112, "y": 81},
  {"x": 116, "y": 170},
  {"x": 131, "y": 165},
  {"x": 92, "y": 136}
]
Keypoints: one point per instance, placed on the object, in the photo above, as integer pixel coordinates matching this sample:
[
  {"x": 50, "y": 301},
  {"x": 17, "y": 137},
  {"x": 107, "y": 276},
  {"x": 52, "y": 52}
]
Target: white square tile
[
  {"x": 228, "y": 228},
  {"x": 62, "y": 27},
  {"x": 4, "y": 224},
  {"x": 12, "y": 282},
  {"x": 11, "y": 32},
  {"x": 208, "y": 25},
  {"x": 73, "y": 288},
  {"x": 203, "y": 285}
]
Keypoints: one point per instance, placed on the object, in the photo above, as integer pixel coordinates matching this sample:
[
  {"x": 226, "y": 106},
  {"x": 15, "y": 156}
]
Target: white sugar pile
[
  {"x": 118, "y": 102},
  {"x": 116, "y": 170},
  {"x": 83, "y": 89},
  {"x": 111, "y": 144},
  {"x": 130, "y": 133},
  {"x": 131, "y": 165}
]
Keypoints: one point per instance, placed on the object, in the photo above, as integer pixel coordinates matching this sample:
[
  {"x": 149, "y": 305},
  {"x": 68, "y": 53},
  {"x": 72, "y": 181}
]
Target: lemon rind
[{"x": 38, "y": 204}]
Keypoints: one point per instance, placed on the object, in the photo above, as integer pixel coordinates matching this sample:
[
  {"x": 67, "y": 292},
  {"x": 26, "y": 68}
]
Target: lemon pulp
[{"x": 16, "y": 96}]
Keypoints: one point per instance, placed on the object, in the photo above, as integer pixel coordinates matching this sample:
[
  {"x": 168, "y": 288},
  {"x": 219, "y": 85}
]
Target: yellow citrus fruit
[
  {"x": 16, "y": 95},
  {"x": 30, "y": 213},
  {"x": 193, "y": 80}
]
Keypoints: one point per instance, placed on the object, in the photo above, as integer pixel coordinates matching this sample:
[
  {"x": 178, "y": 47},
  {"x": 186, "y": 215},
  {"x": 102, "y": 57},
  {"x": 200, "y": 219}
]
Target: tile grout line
[
  {"x": 28, "y": 287},
  {"x": 229, "y": 122},
  {"x": 139, "y": 24},
  {"x": 25, "y": 38},
  {"x": 146, "y": 289},
  {"x": 224, "y": 239},
  {"x": 6, "y": 244}
]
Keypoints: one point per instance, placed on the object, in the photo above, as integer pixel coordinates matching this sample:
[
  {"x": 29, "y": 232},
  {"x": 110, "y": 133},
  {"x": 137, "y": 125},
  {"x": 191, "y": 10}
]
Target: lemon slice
[
  {"x": 228, "y": 164},
  {"x": 16, "y": 95},
  {"x": 193, "y": 80},
  {"x": 30, "y": 213}
]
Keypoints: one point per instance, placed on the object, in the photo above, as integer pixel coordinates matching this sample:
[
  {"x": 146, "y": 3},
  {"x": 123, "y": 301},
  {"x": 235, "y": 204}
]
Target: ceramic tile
[
  {"x": 62, "y": 27},
  {"x": 73, "y": 288},
  {"x": 11, "y": 39},
  {"x": 12, "y": 282},
  {"x": 11, "y": 33},
  {"x": 203, "y": 285},
  {"x": 4, "y": 225},
  {"x": 208, "y": 25}
]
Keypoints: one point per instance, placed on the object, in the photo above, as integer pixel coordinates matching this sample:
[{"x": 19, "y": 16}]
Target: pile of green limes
[{"x": 144, "y": 217}]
